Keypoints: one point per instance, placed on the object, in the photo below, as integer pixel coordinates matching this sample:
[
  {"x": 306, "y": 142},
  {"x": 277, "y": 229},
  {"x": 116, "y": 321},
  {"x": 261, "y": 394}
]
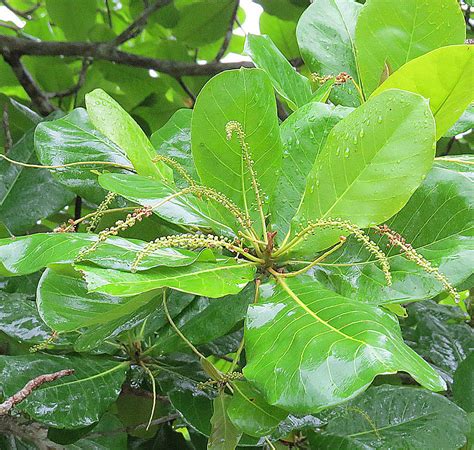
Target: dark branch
[
  {"x": 38, "y": 97},
  {"x": 10, "y": 45},
  {"x": 137, "y": 26},
  {"x": 187, "y": 90},
  {"x": 33, "y": 384},
  {"x": 228, "y": 35},
  {"x": 23, "y": 14},
  {"x": 80, "y": 82}
]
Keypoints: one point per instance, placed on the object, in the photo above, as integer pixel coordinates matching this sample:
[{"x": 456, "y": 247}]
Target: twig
[
  {"x": 228, "y": 35},
  {"x": 38, "y": 97},
  {"x": 137, "y": 26},
  {"x": 9, "y": 403},
  {"x": 187, "y": 90},
  {"x": 109, "y": 14},
  {"x": 23, "y": 14},
  {"x": 6, "y": 129},
  {"x": 80, "y": 82},
  {"x": 11, "y": 45}
]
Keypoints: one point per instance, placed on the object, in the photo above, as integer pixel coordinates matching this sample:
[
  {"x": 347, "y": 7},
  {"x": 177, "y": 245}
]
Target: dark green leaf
[
  {"x": 224, "y": 435},
  {"x": 463, "y": 386},
  {"x": 74, "y": 401}
]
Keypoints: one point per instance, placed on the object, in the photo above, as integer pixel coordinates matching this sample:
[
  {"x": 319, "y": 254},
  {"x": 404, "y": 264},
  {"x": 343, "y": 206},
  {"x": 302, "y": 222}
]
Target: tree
[{"x": 227, "y": 254}]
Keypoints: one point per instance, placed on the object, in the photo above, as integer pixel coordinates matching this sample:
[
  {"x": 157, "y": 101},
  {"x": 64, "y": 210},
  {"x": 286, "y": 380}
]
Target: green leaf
[
  {"x": 439, "y": 76},
  {"x": 439, "y": 333},
  {"x": 202, "y": 21},
  {"x": 174, "y": 141},
  {"x": 74, "y": 401},
  {"x": 394, "y": 417},
  {"x": 325, "y": 35},
  {"x": 387, "y": 37},
  {"x": 372, "y": 162},
  {"x": 282, "y": 33},
  {"x": 464, "y": 123},
  {"x": 303, "y": 135},
  {"x": 28, "y": 254},
  {"x": 20, "y": 320},
  {"x": 183, "y": 209},
  {"x": 224, "y": 435},
  {"x": 250, "y": 413},
  {"x": 245, "y": 96},
  {"x": 65, "y": 305},
  {"x": 71, "y": 139},
  {"x": 118, "y": 126},
  {"x": 28, "y": 195},
  {"x": 463, "y": 386},
  {"x": 437, "y": 222},
  {"x": 224, "y": 277},
  {"x": 292, "y": 86},
  {"x": 204, "y": 320},
  {"x": 76, "y": 26},
  {"x": 309, "y": 348}
]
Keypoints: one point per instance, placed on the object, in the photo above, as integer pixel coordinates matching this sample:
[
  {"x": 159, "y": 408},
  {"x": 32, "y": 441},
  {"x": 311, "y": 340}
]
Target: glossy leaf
[
  {"x": 372, "y": 162},
  {"x": 334, "y": 347},
  {"x": 224, "y": 435},
  {"x": 28, "y": 254},
  {"x": 464, "y": 123},
  {"x": 292, "y": 86},
  {"x": 303, "y": 135},
  {"x": 437, "y": 221},
  {"x": 214, "y": 280},
  {"x": 71, "y": 139},
  {"x": 439, "y": 76},
  {"x": 387, "y": 37},
  {"x": 463, "y": 386},
  {"x": 250, "y": 413},
  {"x": 174, "y": 141},
  {"x": 167, "y": 202},
  {"x": 117, "y": 125},
  {"x": 245, "y": 96},
  {"x": 394, "y": 417},
  {"x": 325, "y": 35},
  {"x": 26, "y": 194},
  {"x": 439, "y": 334},
  {"x": 65, "y": 305},
  {"x": 74, "y": 401}
]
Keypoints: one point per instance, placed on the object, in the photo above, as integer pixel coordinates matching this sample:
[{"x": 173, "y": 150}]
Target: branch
[
  {"x": 6, "y": 128},
  {"x": 10, "y": 45},
  {"x": 137, "y": 26},
  {"x": 9, "y": 403},
  {"x": 38, "y": 97},
  {"x": 228, "y": 35},
  {"x": 80, "y": 82},
  {"x": 23, "y": 14}
]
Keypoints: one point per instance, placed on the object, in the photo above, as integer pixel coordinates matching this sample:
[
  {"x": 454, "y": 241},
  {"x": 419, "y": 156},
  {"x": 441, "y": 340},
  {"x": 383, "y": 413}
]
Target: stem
[
  {"x": 177, "y": 330},
  {"x": 316, "y": 261},
  {"x": 454, "y": 160},
  {"x": 359, "y": 91},
  {"x": 62, "y": 166},
  {"x": 153, "y": 386},
  {"x": 108, "y": 211}
]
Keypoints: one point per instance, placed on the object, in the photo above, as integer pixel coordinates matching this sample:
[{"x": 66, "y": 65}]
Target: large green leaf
[
  {"x": 65, "y": 305},
  {"x": 441, "y": 77},
  {"x": 28, "y": 254},
  {"x": 74, "y": 401},
  {"x": 309, "y": 348},
  {"x": 174, "y": 141},
  {"x": 394, "y": 417},
  {"x": 463, "y": 386},
  {"x": 211, "y": 279},
  {"x": 372, "y": 162},
  {"x": 325, "y": 35},
  {"x": 183, "y": 209},
  {"x": 388, "y": 37},
  {"x": 26, "y": 194},
  {"x": 292, "y": 86},
  {"x": 71, "y": 139},
  {"x": 439, "y": 333},
  {"x": 117, "y": 125},
  {"x": 303, "y": 135},
  {"x": 20, "y": 320},
  {"x": 250, "y": 413},
  {"x": 438, "y": 223},
  {"x": 282, "y": 33},
  {"x": 224, "y": 434},
  {"x": 245, "y": 96},
  {"x": 464, "y": 123}
]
